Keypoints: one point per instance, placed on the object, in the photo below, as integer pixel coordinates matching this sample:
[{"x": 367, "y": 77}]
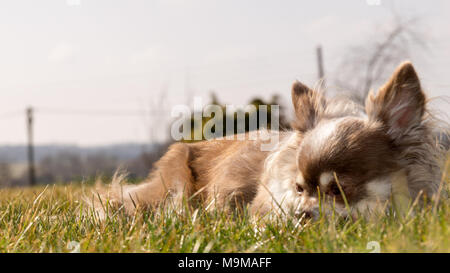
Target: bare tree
[
  {"x": 367, "y": 65},
  {"x": 157, "y": 122}
]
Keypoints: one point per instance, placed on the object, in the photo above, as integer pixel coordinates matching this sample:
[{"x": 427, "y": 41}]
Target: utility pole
[
  {"x": 31, "y": 169},
  {"x": 320, "y": 64}
]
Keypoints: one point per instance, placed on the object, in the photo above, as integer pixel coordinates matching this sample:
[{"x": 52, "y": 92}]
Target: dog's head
[{"x": 349, "y": 158}]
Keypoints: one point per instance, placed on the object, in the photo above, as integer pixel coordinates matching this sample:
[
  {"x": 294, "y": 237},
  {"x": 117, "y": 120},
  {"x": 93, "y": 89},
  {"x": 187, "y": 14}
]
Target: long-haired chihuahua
[{"x": 338, "y": 156}]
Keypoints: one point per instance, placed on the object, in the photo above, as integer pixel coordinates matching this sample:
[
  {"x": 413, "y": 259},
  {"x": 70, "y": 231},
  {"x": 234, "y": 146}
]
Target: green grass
[{"x": 47, "y": 219}]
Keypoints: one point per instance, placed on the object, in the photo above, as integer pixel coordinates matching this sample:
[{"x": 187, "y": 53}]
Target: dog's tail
[
  {"x": 118, "y": 195},
  {"x": 171, "y": 178}
]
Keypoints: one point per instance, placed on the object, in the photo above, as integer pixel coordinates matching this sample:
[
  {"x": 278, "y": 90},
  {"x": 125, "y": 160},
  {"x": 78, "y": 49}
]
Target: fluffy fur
[{"x": 337, "y": 151}]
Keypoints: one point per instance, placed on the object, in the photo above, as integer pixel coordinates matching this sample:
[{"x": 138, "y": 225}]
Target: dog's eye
[
  {"x": 334, "y": 189},
  {"x": 299, "y": 188}
]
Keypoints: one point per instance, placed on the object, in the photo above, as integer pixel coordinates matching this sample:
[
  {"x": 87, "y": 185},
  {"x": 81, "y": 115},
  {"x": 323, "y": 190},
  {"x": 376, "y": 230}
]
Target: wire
[
  {"x": 85, "y": 112},
  {"x": 97, "y": 112}
]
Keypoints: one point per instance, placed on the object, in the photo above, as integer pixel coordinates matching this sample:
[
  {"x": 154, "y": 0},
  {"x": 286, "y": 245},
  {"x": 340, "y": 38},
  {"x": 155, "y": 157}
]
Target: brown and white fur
[{"x": 329, "y": 140}]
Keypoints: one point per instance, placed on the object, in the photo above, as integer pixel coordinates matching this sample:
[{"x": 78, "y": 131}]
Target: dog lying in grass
[{"x": 338, "y": 157}]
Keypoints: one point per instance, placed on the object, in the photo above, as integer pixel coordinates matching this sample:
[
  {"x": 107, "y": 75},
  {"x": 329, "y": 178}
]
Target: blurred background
[{"x": 88, "y": 86}]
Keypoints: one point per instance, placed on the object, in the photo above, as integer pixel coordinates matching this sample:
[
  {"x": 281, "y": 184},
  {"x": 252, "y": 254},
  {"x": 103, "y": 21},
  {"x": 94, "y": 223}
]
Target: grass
[{"x": 50, "y": 219}]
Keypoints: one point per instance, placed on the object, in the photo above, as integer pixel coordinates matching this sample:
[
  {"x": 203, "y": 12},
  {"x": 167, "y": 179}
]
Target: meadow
[{"x": 51, "y": 219}]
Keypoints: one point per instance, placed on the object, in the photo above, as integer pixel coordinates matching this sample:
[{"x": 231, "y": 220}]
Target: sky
[{"x": 99, "y": 72}]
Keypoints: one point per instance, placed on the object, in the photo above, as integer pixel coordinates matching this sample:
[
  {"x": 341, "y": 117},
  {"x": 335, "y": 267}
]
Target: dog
[{"x": 338, "y": 156}]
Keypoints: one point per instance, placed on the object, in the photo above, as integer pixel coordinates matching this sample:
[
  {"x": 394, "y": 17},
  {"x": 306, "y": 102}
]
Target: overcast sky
[{"x": 84, "y": 65}]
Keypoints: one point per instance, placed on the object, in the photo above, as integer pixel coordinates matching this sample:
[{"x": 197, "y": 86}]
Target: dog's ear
[
  {"x": 400, "y": 103},
  {"x": 308, "y": 106}
]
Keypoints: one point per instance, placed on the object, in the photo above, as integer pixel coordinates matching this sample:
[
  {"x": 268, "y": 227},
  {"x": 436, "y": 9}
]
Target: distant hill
[
  {"x": 18, "y": 153},
  {"x": 66, "y": 163}
]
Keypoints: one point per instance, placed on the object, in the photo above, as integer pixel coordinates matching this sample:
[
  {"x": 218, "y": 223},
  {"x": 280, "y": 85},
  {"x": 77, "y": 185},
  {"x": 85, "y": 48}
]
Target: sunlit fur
[{"x": 337, "y": 154}]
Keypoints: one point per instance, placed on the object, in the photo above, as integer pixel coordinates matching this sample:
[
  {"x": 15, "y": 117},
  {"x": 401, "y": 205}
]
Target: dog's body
[{"x": 336, "y": 151}]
